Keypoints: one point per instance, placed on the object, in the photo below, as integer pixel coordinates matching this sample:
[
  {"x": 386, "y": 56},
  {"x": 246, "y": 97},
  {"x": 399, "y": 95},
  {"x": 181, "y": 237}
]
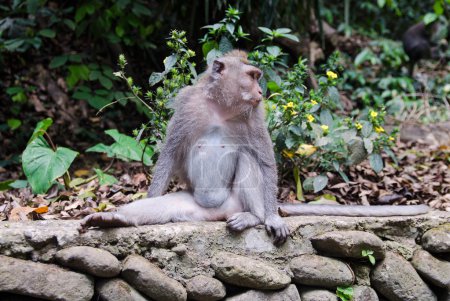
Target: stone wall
[{"x": 50, "y": 260}]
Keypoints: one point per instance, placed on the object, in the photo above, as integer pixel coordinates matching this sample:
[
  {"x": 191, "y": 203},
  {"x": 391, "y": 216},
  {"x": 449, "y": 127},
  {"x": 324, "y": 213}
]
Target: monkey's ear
[{"x": 218, "y": 67}]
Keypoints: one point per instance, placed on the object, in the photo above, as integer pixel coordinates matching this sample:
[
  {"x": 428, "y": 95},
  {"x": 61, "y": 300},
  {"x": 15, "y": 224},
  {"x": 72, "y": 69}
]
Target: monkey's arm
[
  {"x": 273, "y": 221},
  {"x": 351, "y": 210},
  {"x": 162, "y": 174},
  {"x": 164, "y": 166}
]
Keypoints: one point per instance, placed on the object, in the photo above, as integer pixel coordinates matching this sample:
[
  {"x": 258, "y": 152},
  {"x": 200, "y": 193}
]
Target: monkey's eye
[{"x": 255, "y": 74}]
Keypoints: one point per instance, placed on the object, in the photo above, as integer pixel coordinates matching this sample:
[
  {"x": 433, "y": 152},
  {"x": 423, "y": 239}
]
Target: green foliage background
[{"x": 80, "y": 42}]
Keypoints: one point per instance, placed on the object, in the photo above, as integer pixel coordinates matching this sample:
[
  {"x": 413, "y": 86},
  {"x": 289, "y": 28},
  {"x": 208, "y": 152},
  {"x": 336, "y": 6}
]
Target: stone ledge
[{"x": 185, "y": 250}]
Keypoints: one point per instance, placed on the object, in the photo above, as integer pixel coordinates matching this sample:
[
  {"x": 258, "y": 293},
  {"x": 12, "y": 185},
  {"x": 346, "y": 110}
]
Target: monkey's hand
[
  {"x": 278, "y": 228},
  {"x": 104, "y": 220}
]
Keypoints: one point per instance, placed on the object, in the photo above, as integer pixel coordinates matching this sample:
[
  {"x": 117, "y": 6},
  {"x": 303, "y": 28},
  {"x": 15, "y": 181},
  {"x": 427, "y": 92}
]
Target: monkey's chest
[
  {"x": 214, "y": 151},
  {"x": 211, "y": 167}
]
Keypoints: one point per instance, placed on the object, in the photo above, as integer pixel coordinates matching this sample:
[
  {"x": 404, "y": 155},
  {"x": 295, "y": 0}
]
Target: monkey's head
[{"x": 235, "y": 82}]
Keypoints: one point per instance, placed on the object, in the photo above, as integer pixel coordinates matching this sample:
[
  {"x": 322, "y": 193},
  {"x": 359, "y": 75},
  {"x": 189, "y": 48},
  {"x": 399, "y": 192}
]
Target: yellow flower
[
  {"x": 274, "y": 107},
  {"x": 289, "y": 105},
  {"x": 392, "y": 138},
  {"x": 379, "y": 129},
  {"x": 373, "y": 114},
  {"x": 313, "y": 102},
  {"x": 294, "y": 113},
  {"x": 287, "y": 153},
  {"x": 310, "y": 118},
  {"x": 358, "y": 125},
  {"x": 447, "y": 88},
  {"x": 324, "y": 128},
  {"x": 306, "y": 150},
  {"x": 331, "y": 75}
]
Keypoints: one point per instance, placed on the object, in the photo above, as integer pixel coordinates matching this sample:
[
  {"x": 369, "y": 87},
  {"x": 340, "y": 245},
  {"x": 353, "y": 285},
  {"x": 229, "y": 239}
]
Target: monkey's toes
[
  {"x": 241, "y": 221},
  {"x": 103, "y": 220}
]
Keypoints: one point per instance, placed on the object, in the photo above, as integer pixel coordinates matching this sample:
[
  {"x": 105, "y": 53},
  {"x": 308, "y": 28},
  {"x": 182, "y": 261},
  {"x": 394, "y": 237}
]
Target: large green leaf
[
  {"x": 42, "y": 165},
  {"x": 125, "y": 148},
  {"x": 319, "y": 183},
  {"x": 41, "y": 128},
  {"x": 376, "y": 162},
  {"x": 104, "y": 178}
]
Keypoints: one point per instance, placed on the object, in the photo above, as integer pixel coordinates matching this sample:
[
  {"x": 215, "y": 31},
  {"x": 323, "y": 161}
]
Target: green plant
[
  {"x": 309, "y": 134},
  {"x": 178, "y": 72},
  {"x": 125, "y": 148},
  {"x": 344, "y": 293},
  {"x": 221, "y": 36},
  {"x": 369, "y": 255},
  {"x": 43, "y": 162}
]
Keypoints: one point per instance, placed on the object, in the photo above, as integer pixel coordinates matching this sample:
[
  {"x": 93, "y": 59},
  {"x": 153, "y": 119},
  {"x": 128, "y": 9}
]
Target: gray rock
[
  {"x": 117, "y": 289},
  {"x": 43, "y": 281},
  {"x": 288, "y": 294},
  {"x": 348, "y": 244},
  {"x": 90, "y": 260},
  {"x": 362, "y": 273},
  {"x": 437, "y": 240},
  {"x": 315, "y": 294},
  {"x": 248, "y": 272},
  {"x": 204, "y": 288},
  {"x": 395, "y": 278},
  {"x": 364, "y": 293},
  {"x": 432, "y": 269},
  {"x": 151, "y": 280},
  {"x": 321, "y": 271}
]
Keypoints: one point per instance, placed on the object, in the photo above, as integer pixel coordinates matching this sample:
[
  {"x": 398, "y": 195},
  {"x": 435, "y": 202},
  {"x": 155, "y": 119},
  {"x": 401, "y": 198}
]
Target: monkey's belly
[{"x": 211, "y": 168}]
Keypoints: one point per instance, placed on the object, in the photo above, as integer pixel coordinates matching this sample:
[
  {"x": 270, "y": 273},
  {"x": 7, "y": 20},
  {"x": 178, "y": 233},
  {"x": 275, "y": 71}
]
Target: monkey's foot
[
  {"x": 104, "y": 220},
  {"x": 242, "y": 220},
  {"x": 278, "y": 228}
]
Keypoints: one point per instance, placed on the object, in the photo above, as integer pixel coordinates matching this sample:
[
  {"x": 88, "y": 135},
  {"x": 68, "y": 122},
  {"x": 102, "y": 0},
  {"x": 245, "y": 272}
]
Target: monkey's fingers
[{"x": 280, "y": 231}]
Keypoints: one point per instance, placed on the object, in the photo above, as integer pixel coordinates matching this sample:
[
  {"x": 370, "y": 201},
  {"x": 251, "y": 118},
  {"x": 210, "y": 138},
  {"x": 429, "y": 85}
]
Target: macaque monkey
[
  {"x": 418, "y": 44},
  {"x": 218, "y": 144}
]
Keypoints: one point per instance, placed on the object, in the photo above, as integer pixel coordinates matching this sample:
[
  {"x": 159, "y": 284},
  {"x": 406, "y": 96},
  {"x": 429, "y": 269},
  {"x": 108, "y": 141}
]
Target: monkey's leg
[
  {"x": 247, "y": 187},
  {"x": 172, "y": 207}
]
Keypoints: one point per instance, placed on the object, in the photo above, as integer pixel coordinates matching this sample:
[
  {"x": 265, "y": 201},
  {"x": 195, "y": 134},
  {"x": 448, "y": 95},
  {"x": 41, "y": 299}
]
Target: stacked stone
[{"x": 88, "y": 273}]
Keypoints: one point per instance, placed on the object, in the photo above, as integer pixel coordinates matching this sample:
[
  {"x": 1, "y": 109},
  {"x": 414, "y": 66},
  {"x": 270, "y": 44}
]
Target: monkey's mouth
[{"x": 255, "y": 101}]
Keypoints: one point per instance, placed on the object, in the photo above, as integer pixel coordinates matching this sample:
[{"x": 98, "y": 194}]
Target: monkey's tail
[{"x": 351, "y": 210}]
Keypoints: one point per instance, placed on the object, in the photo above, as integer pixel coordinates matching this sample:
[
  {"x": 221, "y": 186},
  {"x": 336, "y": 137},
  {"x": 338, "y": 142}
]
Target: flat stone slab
[
  {"x": 396, "y": 279},
  {"x": 348, "y": 244},
  {"x": 151, "y": 280},
  {"x": 432, "y": 269},
  {"x": 43, "y": 281},
  {"x": 247, "y": 272},
  {"x": 90, "y": 260},
  {"x": 320, "y": 271}
]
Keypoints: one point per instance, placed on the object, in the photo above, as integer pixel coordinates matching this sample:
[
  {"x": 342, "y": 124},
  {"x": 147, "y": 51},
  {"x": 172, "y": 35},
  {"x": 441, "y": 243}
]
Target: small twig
[
  {"x": 109, "y": 165},
  {"x": 111, "y": 103}
]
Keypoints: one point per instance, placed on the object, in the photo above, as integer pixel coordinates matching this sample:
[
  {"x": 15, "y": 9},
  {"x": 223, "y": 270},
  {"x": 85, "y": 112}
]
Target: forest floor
[{"x": 422, "y": 176}]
